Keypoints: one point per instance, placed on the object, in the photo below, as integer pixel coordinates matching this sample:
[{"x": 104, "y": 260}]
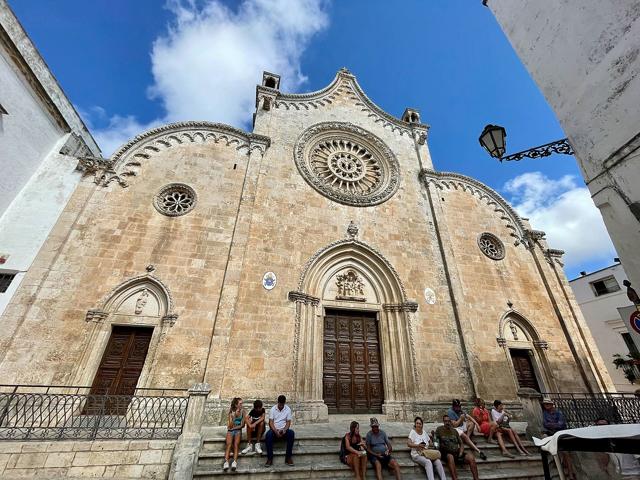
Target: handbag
[{"x": 431, "y": 454}]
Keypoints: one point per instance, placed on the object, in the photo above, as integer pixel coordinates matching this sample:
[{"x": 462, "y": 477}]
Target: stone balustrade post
[
  {"x": 185, "y": 454},
  {"x": 531, "y": 410}
]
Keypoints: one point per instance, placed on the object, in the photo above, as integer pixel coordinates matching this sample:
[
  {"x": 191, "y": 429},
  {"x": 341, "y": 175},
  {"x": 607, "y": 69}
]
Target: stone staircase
[{"x": 316, "y": 450}]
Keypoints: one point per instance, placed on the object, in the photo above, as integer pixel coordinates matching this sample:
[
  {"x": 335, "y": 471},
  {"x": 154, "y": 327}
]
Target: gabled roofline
[{"x": 324, "y": 96}]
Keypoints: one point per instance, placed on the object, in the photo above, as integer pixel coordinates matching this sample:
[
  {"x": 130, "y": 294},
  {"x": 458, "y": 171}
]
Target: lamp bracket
[{"x": 559, "y": 146}]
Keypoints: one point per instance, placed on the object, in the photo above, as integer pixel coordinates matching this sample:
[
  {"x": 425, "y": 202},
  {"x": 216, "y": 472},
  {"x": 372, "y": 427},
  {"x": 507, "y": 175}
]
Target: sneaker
[
  {"x": 225, "y": 466},
  {"x": 289, "y": 461},
  {"x": 234, "y": 465},
  {"x": 258, "y": 448},
  {"x": 248, "y": 449}
]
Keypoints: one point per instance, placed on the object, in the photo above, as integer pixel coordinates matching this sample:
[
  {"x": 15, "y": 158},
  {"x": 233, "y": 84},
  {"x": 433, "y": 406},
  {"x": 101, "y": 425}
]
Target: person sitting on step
[
  {"x": 255, "y": 425},
  {"x": 353, "y": 451},
  {"x": 447, "y": 440},
  {"x": 379, "y": 449},
  {"x": 502, "y": 419},
  {"x": 465, "y": 424},
  {"x": 423, "y": 452},
  {"x": 235, "y": 424},
  {"x": 483, "y": 418},
  {"x": 279, "y": 428}
]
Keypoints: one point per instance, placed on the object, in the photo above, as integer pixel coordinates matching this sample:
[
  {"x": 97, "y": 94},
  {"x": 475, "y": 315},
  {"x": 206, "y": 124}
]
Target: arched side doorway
[
  {"x": 525, "y": 352},
  {"x": 125, "y": 331},
  {"x": 350, "y": 303}
]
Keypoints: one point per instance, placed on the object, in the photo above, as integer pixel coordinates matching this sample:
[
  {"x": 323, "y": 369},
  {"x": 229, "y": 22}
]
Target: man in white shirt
[{"x": 279, "y": 423}]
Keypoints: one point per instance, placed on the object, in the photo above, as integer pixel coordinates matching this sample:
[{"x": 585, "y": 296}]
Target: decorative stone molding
[
  {"x": 501, "y": 341},
  {"x": 345, "y": 84},
  {"x": 352, "y": 230},
  {"x": 408, "y": 306},
  {"x": 541, "y": 344},
  {"x": 147, "y": 144},
  {"x": 536, "y": 235},
  {"x": 455, "y": 181},
  {"x": 491, "y": 246},
  {"x": 104, "y": 170},
  {"x": 358, "y": 243},
  {"x": 552, "y": 255},
  {"x": 170, "y": 319},
  {"x": 350, "y": 287},
  {"x": 300, "y": 297},
  {"x": 347, "y": 164},
  {"x": 200, "y": 389},
  {"x": 175, "y": 199},
  {"x": 95, "y": 316}
]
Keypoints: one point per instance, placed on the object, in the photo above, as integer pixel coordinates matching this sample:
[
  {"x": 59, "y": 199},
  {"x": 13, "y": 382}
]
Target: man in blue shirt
[{"x": 465, "y": 424}]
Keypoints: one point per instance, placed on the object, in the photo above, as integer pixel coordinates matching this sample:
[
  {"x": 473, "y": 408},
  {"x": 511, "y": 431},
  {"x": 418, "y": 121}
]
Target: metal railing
[
  {"x": 37, "y": 412},
  {"x": 583, "y": 409}
]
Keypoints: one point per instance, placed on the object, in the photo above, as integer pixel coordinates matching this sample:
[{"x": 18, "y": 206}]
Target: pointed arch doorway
[{"x": 350, "y": 282}]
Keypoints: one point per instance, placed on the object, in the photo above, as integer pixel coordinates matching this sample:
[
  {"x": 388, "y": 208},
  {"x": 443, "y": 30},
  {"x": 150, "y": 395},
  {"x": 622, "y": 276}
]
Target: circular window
[
  {"x": 347, "y": 164},
  {"x": 491, "y": 246},
  {"x": 175, "y": 199}
]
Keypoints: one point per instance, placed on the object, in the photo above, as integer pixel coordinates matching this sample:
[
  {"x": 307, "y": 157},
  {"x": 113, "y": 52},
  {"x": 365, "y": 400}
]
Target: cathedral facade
[{"x": 320, "y": 256}]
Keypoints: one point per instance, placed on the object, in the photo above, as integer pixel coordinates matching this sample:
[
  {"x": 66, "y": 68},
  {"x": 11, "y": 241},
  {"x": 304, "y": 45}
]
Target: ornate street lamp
[{"x": 493, "y": 139}]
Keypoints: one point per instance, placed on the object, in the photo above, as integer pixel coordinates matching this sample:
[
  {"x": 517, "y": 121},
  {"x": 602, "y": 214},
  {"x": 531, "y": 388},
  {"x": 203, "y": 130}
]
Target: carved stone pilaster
[
  {"x": 301, "y": 297},
  {"x": 95, "y": 316}
]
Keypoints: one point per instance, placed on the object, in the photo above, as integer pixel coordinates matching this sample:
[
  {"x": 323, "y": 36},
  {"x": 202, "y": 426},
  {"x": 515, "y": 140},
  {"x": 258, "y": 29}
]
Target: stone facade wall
[
  {"x": 83, "y": 459},
  {"x": 255, "y": 213}
]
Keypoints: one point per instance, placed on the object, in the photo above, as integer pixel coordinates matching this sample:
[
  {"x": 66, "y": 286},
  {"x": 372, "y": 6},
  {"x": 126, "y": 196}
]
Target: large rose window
[{"x": 347, "y": 164}]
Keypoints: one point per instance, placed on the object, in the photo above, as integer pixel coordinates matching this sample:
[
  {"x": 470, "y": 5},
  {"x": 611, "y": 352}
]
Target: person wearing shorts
[{"x": 379, "y": 449}]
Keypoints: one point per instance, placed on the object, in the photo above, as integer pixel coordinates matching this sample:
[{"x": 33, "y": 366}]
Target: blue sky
[{"x": 130, "y": 65}]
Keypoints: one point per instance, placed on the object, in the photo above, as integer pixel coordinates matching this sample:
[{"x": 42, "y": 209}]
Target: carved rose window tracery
[
  {"x": 347, "y": 164},
  {"x": 175, "y": 199},
  {"x": 491, "y": 246}
]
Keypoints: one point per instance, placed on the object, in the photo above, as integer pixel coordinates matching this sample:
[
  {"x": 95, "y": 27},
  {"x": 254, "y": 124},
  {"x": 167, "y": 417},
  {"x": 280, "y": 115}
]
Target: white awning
[{"x": 550, "y": 444}]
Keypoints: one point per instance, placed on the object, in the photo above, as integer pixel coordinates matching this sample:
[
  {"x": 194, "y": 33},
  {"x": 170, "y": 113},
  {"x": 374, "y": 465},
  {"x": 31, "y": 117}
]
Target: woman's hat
[
  {"x": 374, "y": 422},
  {"x": 547, "y": 400}
]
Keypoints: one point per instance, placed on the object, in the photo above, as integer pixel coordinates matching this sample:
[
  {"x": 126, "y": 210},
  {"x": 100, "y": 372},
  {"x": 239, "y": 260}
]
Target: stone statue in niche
[
  {"x": 142, "y": 301},
  {"x": 514, "y": 329},
  {"x": 350, "y": 287}
]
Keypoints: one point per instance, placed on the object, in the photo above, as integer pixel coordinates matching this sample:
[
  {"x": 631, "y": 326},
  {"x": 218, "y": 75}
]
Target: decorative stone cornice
[
  {"x": 346, "y": 84},
  {"x": 146, "y": 144},
  {"x": 554, "y": 255},
  {"x": 535, "y": 234},
  {"x": 408, "y": 306},
  {"x": 457, "y": 181},
  {"x": 541, "y": 344},
  {"x": 104, "y": 172},
  {"x": 301, "y": 297},
  {"x": 95, "y": 316}
]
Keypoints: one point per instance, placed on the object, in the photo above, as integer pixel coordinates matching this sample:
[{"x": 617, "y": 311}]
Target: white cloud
[
  {"x": 565, "y": 212},
  {"x": 206, "y": 66}
]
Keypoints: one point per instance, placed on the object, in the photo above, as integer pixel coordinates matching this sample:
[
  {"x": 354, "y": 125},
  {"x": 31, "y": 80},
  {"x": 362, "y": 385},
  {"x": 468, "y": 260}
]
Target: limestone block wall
[
  {"x": 86, "y": 459},
  {"x": 108, "y": 235}
]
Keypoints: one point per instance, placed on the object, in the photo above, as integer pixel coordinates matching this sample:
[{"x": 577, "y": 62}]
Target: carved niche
[{"x": 350, "y": 286}]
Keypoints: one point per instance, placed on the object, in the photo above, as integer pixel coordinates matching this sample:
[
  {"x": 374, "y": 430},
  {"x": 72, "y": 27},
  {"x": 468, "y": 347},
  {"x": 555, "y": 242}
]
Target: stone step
[{"x": 321, "y": 470}]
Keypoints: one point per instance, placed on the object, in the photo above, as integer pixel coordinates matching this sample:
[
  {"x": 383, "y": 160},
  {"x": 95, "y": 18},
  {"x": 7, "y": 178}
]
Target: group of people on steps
[{"x": 445, "y": 445}]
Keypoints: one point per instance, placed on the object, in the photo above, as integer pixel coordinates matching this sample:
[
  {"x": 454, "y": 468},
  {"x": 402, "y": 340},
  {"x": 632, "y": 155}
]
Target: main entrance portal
[{"x": 352, "y": 378}]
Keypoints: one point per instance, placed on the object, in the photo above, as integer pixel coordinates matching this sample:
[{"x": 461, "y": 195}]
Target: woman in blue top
[{"x": 235, "y": 424}]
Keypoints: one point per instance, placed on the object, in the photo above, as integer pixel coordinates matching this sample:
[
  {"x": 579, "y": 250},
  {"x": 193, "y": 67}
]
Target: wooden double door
[
  {"x": 523, "y": 366},
  {"x": 352, "y": 374},
  {"x": 119, "y": 370}
]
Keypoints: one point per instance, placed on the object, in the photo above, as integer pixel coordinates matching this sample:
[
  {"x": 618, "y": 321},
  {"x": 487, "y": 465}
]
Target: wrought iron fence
[
  {"x": 36, "y": 412},
  {"x": 583, "y": 409}
]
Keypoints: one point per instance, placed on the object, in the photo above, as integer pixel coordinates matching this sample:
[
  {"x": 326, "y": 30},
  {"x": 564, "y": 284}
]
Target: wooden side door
[
  {"x": 523, "y": 366},
  {"x": 121, "y": 365}
]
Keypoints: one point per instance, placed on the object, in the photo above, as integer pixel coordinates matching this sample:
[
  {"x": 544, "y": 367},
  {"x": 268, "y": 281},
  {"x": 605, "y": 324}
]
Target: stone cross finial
[{"x": 352, "y": 230}]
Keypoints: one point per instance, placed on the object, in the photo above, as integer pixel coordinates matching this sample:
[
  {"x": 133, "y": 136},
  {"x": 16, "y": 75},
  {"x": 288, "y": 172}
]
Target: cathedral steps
[{"x": 316, "y": 456}]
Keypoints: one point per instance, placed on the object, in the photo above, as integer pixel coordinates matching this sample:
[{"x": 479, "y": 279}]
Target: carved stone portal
[{"x": 350, "y": 287}]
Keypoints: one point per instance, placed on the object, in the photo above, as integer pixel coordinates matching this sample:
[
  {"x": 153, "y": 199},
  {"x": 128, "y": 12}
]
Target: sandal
[{"x": 508, "y": 454}]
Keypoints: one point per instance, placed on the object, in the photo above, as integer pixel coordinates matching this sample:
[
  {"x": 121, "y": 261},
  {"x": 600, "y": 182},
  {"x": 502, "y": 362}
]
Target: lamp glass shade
[{"x": 493, "y": 139}]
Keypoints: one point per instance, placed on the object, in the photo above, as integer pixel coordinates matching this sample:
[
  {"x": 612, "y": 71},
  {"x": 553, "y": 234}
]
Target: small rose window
[
  {"x": 491, "y": 246},
  {"x": 175, "y": 199}
]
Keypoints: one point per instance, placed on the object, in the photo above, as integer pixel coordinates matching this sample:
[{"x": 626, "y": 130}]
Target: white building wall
[
  {"x": 26, "y": 119},
  {"x": 585, "y": 57},
  {"x": 603, "y": 319},
  {"x": 36, "y": 180}
]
